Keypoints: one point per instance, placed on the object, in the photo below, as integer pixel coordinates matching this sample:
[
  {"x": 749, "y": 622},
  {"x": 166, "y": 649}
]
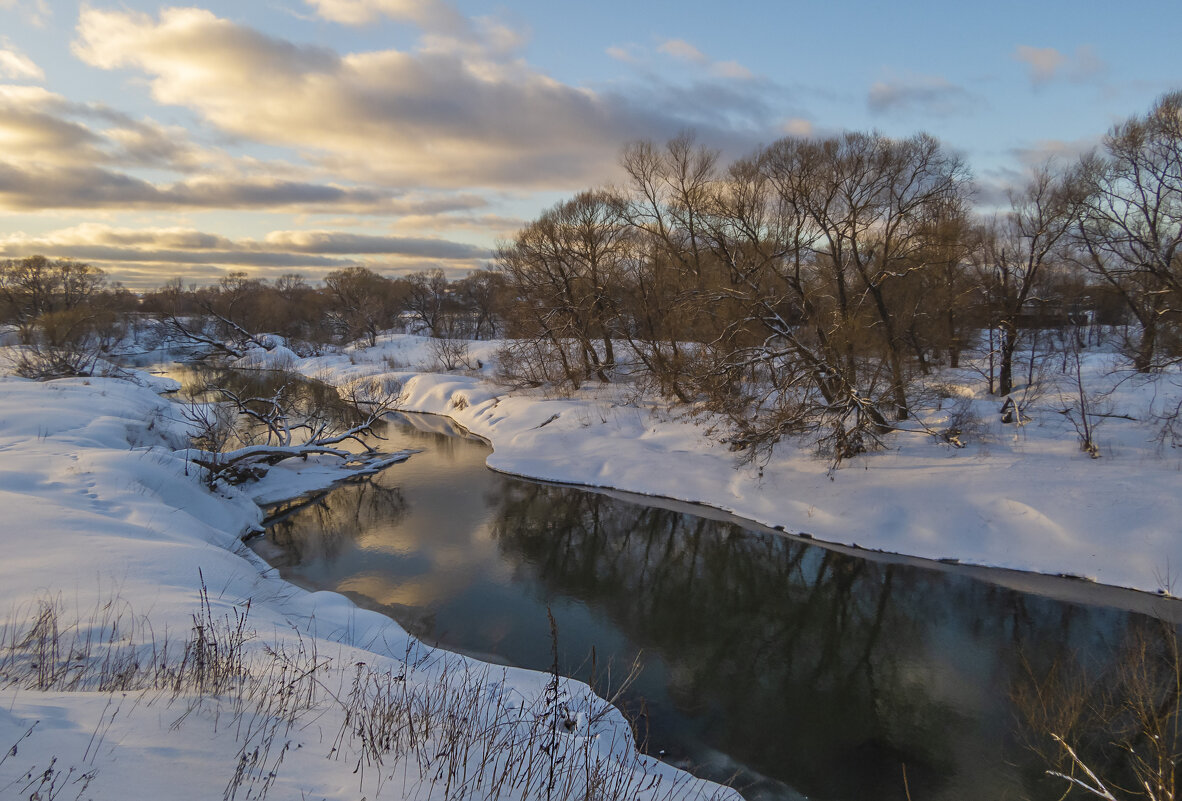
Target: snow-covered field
[
  {"x": 121, "y": 677},
  {"x": 1016, "y": 496}
]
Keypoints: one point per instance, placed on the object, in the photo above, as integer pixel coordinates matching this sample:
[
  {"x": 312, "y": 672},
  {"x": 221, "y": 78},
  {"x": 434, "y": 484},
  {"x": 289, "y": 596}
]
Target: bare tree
[
  {"x": 428, "y": 301},
  {"x": 36, "y": 285},
  {"x": 483, "y": 295},
  {"x": 363, "y": 302},
  {"x": 562, "y": 269},
  {"x": 67, "y": 316},
  {"x": 873, "y": 203},
  {"x": 825, "y": 245},
  {"x": 1018, "y": 252},
  {"x": 1131, "y": 225},
  {"x": 668, "y": 196}
]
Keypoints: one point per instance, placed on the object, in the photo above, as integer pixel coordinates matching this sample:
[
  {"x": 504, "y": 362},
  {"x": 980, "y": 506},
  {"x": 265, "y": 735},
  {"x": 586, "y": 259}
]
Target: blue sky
[{"x": 273, "y": 136}]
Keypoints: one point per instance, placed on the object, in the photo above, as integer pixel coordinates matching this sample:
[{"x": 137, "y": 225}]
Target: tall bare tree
[
  {"x": 1018, "y": 253},
  {"x": 1131, "y": 225},
  {"x": 363, "y": 302},
  {"x": 563, "y": 268}
]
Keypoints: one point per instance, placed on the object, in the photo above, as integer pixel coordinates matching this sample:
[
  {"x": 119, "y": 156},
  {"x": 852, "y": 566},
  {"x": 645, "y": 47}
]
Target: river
[{"x": 795, "y": 670}]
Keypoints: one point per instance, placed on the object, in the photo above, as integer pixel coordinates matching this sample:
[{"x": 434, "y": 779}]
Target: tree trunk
[
  {"x": 1005, "y": 372},
  {"x": 1143, "y": 359}
]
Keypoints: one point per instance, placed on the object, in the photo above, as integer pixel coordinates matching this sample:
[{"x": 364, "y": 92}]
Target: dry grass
[{"x": 434, "y": 726}]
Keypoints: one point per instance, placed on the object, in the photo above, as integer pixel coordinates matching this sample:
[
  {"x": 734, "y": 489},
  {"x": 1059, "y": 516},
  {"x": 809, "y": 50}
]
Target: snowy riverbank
[
  {"x": 1022, "y": 497},
  {"x": 117, "y": 680}
]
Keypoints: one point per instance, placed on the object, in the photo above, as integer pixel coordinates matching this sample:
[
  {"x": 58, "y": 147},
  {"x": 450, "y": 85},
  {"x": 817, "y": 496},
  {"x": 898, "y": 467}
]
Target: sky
[{"x": 159, "y": 141}]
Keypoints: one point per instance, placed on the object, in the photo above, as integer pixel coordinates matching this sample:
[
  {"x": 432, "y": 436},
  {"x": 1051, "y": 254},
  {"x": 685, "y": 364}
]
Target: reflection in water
[
  {"x": 307, "y": 532},
  {"x": 802, "y": 667}
]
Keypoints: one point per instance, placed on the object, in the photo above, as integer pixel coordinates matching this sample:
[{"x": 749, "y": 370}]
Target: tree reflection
[
  {"x": 318, "y": 531},
  {"x": 825, "y": 670}
]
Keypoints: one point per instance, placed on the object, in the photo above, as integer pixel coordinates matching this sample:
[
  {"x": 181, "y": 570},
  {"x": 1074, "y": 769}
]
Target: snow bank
[
  {"x": 108, "y": 653},
  {"x": 1022, "y": 497}
]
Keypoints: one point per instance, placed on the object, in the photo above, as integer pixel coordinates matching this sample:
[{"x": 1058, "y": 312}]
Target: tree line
[{"x": 68, "y": 308}]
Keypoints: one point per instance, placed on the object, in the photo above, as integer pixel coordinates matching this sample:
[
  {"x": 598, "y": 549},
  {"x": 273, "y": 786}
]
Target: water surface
[{"x": 801, "y": 670}]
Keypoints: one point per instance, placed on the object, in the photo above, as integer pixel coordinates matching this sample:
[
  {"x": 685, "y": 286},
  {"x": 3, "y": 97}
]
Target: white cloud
[
  {"x": 798, "y": 126},
  {"x": 56, "y": 154},
  {"x": 683, "y": 51},
  {"x": 334, "y": 242},
  {"x": 731, "y": 69},
  {"x": 1042, "y": 62},
  {"x": 16, "y": 65},
  {"x": 1067, "y": 151},
  {"x": 1045, "y": 64},
  {"x": 629, "y": 54},
  {"x": 430, "y": 14},
  {"x": 35, "y": 12}
]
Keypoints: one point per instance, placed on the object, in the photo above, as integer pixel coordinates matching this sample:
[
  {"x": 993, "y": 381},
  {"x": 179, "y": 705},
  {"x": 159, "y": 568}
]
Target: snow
[
  {"x": 1021, "y": 497},
  {"x": 109, "y": 534}
]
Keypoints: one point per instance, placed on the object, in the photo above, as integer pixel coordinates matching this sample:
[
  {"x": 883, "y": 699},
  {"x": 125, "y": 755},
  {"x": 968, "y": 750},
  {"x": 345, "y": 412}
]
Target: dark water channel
[{"x": 811, "y": 672}]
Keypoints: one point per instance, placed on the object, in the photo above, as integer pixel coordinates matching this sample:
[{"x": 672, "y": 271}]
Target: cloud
[
  {"x": 1064, "y": 151},
  {"x": 58, "y": 154},
  {"x": 41, "y": 128},
  {"x": 683, "y": 51},
  {"x": 629, "y": 53},
  {"x": 429, "y": 14},
  {"x": 15, "y": 65},
  {"x": 1045, "y": 64},
  {"x": 1042, "y": 62},
  {"x": 331, "y": 242},
  {"x": 994, "y": 186},
  {"x": 131, "y": 251},
  {"x": 431, "y": 117},
  {"x": 798, "y": 127},
  {"x": 34, "y": 128},
  {"x": 43, "y": 187},
  {"x": 731, "y": 69},
  {"x": 924, "y": 94},
  {"x": 100, "y": 236},
  {"x": 489, "y": 226},
  {"x": 35, "y": 12}
]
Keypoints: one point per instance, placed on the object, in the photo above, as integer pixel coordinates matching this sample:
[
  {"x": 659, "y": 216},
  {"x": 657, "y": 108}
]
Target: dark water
[{"x": 808, "y": 671}]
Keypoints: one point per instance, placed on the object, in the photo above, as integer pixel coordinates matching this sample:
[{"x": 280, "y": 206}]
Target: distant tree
[
  {"x": 67, "y": 315},
  {"x": 428, "y": 302},
  {"x": 1017, "y": 255},
  {"x": 362, "y": 303},
  {"x": 562, "y": 270},
  {"x": 219, "y": 319},
  {"x": 36, "y": 285},
  {"x": 484, "y": 295}
]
